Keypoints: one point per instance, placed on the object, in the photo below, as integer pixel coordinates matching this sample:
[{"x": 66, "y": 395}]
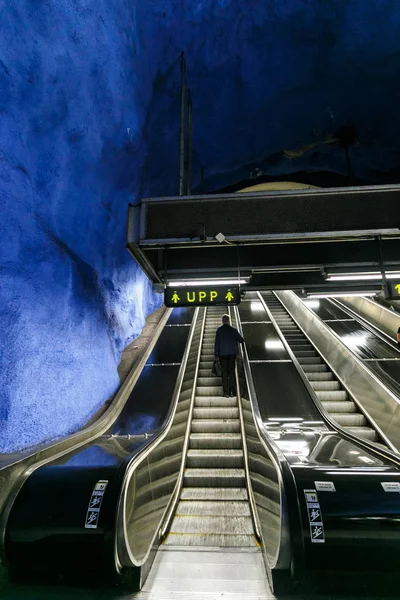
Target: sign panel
[
  {"x": 96, "y": 499},
  {"x": 317, "y": 533},
  {"x": 394, "y": 288},
  {"x": 201, "y": 296}
]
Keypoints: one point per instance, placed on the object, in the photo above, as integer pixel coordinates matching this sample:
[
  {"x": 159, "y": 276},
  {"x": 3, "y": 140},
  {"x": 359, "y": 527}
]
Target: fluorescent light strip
[
  {"x": 341, "y": 294},
  {"x": 362, "y": 276},
  {"x": 206, "y": 282}
]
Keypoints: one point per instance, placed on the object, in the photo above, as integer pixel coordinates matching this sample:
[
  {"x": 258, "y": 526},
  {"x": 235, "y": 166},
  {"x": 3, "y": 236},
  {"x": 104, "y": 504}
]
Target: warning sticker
[
  {"x": 325, "y": 486},
  {"x": 93, "y": 512},
  {"x": 314, "y": 517},
  {"x": 317, "y": 533},
  {"x": 391, "y": 486},
  {"x": 311, "y": 496}
]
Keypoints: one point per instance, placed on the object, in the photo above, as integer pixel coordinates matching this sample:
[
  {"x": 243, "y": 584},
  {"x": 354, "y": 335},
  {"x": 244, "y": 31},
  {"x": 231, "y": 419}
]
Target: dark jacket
[{"x": 226, "y": 341}]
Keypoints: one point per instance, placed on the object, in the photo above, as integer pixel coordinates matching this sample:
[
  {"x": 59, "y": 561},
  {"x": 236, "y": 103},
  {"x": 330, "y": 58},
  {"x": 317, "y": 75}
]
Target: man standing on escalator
[{"x": 226, "y": 349}]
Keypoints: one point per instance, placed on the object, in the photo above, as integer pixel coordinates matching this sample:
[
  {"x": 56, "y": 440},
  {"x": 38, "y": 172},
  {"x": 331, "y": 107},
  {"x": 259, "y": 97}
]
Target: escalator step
[
  {"x": 310, "y": 360},
  {"x": 216, "y": 412},
  {"x": 215, "y": 426},
  {"x": 215, "y": 440},
  {"x": 365, "y": 432},
  {"x": 320, "y": 368},
  {"x": 209, "y": 390},
  {"x": 323, "y": 376},
  {"x": 214, "y": 477},
  {"x": 350, "y": 419},
  {"x": 211, "y": 540},
  {"x": 213, "y": 508},
  {"x": 214, "y": 401},
  {"x": 209, "y": 493},
  {"x": 336, "y": 395},
  {"x": 212, "y": 524},
  {"x": 325, "y": 385},
  {"x": 214, "y": 458},
  {"x": 339, "y": 407}
]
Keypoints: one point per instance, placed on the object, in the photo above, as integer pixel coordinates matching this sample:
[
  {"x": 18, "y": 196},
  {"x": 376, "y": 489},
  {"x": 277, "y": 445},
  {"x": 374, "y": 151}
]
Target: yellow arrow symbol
[
  {"x": 230, "y": 296},
  {"x": 175, "y": 298},
  {"x": 397, "y": 287}
]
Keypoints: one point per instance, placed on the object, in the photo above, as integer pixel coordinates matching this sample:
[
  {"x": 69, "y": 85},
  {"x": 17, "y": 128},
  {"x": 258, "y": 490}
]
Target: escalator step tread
[
  {"x": 211, "y": 541},
  {"x": 212, "y": 524},
  {"x": 209, "y": 493},
  {"x": 222, "y": 508}
]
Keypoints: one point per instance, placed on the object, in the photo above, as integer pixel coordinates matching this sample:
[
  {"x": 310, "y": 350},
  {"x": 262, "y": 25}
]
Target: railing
[
  {"x": 153, "y": 477},
  {"x": 269, "y": 475}
]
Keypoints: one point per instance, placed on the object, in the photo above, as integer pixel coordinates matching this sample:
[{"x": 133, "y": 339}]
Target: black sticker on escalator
[
  {"x": 93, "y": 512},
  {"x": 314, "y": 513}
]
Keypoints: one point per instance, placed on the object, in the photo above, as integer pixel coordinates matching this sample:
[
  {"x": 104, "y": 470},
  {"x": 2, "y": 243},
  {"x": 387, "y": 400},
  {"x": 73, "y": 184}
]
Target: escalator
[
  {"x": 333, "y": 396},
  {"x": 223, "y": 497},
  {"x": 213, "y": 508}
]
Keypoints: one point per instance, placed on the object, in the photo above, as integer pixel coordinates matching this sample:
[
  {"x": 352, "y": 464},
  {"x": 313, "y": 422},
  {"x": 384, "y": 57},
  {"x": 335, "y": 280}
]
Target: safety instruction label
[
  {"x": 96, "y": 499},
  {"x": 391, "y": 486},
  {"x": 314, "y": 517},
  {"x": 325, "y": 486}
]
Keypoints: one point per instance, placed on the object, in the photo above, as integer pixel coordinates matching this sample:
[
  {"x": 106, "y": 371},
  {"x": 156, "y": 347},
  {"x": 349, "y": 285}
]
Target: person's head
[{"x": 226, "y": 320}]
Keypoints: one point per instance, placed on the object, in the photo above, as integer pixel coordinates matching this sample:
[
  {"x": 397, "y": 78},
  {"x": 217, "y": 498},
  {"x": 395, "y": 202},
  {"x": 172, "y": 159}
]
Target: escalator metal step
[
  {"x": 365, "y": 432},
  {"x": 211, "y": 540},
  {"x": 325, "y": 385},
  {"x": 214, "y": 458},
  {"x": 215, "y": 440},
  {"x": 212, "y": 524},
  {"x": 339, "y": 407},
  {"x": 214, "y": 478},
  {"x": 320, "y": 368},
  {"x": 336, "y": 395},
  {"x": 350, "y": 419},
  {"x": 215, "y": 426},
  {"x": 213, "y": 508},
  {"x": 220, "y": 494},
  {"x": 209, "y": 390},
  {"x": 323, "y": 376},
  {"x": 214, "y": 401},
  {"x": 216, "y": 412},
  {"x": 304, "y": 353},
  {"x": 310, "y": 360},
  {"x": 210, "y": 380}
]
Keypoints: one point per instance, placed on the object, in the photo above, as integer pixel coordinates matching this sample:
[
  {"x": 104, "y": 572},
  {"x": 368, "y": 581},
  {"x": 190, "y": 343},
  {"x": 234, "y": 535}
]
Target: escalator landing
[{"x": 196, "y": 574}]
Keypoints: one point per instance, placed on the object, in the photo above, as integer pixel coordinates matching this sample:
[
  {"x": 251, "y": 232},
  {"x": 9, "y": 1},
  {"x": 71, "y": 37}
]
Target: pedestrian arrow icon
[
  {"x": 397, "y": 288},
  {"x": 175, "y": 298},
  {"x": 229, "y": 296}
]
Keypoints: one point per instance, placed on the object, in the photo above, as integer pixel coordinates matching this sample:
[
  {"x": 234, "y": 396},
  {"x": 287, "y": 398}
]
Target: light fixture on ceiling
[
  {"x": 363, "y": 276},
  {"x": 341, "y": 294},
  {"x": 207, "y": 282}
]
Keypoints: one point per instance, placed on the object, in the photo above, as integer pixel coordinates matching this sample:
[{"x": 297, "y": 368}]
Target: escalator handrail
[
  {"x": 252, "y": 501},
  {"x": 365, "y": 444},
  {"x": 169, "y": 513},
  {"x": 287, "y": 484},
  {"x": 122, "y": 537}
]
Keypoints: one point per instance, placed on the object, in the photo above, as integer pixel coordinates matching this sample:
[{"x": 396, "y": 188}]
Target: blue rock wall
[{"x": 89, "y": 117}]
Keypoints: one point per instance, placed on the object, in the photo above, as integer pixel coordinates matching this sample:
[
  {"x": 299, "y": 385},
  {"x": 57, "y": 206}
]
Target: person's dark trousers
[{"x": 228, "y": 374}]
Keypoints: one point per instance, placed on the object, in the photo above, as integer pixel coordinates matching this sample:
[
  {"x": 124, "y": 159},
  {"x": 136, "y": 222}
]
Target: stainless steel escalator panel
[{"x": 151, "y": 479}]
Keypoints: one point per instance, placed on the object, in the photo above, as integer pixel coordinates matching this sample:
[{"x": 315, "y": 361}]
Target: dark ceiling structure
[{"x": 316, "y": 240}]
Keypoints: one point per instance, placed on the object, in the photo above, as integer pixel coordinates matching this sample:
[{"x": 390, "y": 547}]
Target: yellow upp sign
[{"x": 201, "y": 296}]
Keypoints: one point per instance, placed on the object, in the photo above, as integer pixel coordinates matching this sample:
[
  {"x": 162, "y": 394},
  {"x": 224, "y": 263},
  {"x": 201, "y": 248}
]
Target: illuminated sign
[
  {"x": 201, "y": 296},
  {"x": 394, "y": 289}
]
